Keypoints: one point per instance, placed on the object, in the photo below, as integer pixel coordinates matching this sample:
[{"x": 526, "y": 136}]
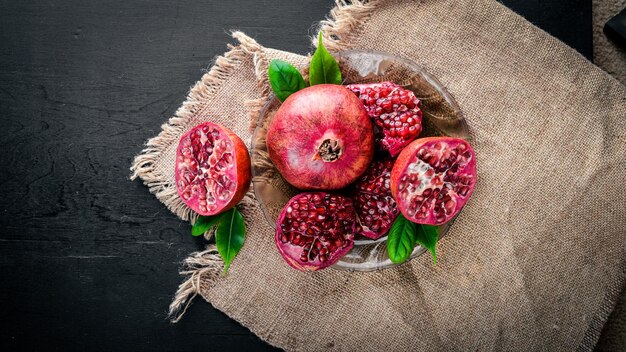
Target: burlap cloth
[{"x": 537, "y": 257}]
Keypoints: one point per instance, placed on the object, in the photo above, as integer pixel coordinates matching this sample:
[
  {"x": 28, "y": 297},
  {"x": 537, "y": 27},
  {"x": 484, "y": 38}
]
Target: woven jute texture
[{"x": 538, "y": 255}]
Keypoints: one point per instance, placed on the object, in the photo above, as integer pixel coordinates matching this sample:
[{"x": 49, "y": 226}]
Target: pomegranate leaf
[
  {"x": 323, "y": 67},
  {"x": 403, "y": 236},
  {"x": 427, "y": 236},
  {"x": 401, "y": 239},
  {"x": 230, "y": 236},
  {"x": 204, "y": 224},
  {"x": 284, "y": 79}
]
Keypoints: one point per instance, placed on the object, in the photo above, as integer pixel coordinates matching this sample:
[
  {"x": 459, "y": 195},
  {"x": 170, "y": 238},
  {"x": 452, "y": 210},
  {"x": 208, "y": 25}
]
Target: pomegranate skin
[
  {"x": 321, "y": 138},
  {"x": 444, "y": 170},
  {"x": 237, "y": 172}
]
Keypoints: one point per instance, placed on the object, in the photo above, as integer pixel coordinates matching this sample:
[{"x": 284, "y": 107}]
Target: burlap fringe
[
  {"x": 200, "y": 267},
  {"x": 144, "y": 165},
  {"x": 344, "y": 23},
  {"x": 203, "y": 267}
]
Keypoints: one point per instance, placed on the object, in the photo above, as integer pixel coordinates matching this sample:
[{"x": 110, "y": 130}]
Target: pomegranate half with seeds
[
  {"x": 315, "y": 229},
  {"x": 321, "y": 138},
  {"x": 433, "y": 178},
  {"x": 395, "y": 112},
  {"x": 212, "y": 169}
]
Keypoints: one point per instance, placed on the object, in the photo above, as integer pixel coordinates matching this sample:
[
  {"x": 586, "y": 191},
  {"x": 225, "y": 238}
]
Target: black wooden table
[{"x": 89, "y": 259}]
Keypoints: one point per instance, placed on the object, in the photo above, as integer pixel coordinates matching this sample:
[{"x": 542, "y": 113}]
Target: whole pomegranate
[
  {"x": 433, "y": 178},
  {"x": 375, "y": 207},
  {"x": 212, "y": 169},
  {"x": 321, "y": 138},
  {"x": 315, "y": 229},
  {"x": 395, "y": 112}
]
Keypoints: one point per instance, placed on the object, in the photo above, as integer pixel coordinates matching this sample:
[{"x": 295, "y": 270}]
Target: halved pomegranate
[
  {"x": 212, "y": 169},
  {"x": 395, "y": 112},
  {"x": 315, "y": 229},
  {"x": 433, "y": 178},
  {"x": 375, "y": 207}
]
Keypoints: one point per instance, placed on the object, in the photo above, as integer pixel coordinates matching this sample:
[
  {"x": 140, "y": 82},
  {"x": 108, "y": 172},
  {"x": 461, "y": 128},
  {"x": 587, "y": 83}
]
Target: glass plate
[{"x": 441, "y": 116}]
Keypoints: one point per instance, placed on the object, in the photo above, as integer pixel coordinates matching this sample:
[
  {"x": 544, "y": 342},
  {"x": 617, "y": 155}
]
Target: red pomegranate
[
  {"x": 212, "y": 169},
  {"x": 375, "y": 207},
  {"x": 321, "y": 138},
  {"x": 395, "y": 112},
  {"x": 315, "y": 229},
  {"x": 433, "y": 178}
]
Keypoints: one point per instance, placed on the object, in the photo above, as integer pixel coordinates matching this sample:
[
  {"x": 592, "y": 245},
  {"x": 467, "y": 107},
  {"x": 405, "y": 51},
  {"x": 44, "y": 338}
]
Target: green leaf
[
  {"x": 284, "y": 79},
  {"x": 403, "y": 236},
  {"x": 204, "y": 224},
  {"x": 230, "y": 236},
  {"x": 401, "y": 239},
  {"x": 324, "y": 67},
  {"x": 427, "y": 237}
]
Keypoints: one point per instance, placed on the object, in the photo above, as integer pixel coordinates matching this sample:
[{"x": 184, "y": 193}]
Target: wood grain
[{"x": 89, "y": 259}]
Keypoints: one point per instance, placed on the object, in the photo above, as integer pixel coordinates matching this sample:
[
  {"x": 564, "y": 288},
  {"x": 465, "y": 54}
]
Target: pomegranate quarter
[
  {"x": 395, "y": 112},
  {"x": 321, "y": 138},
  {"x": 315, "y": 229},
  {"x": 433, "y": 178},
  {"x": 212, "y": 169}
]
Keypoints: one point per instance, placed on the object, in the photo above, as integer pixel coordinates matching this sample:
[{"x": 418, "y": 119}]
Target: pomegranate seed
[{"x": 373, "y": 201}]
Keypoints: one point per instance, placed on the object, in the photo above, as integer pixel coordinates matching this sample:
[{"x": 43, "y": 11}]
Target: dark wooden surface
[{"x": 89, "y": 259}]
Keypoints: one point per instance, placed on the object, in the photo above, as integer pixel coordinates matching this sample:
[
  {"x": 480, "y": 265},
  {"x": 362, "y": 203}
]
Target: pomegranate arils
[
  {"x": 315, "y": 229},
  {"x": 209, "y": 182},
  {"x": 433, "y": 178},
  {"x": 212, "y": 169},
  {"x": 375, "y": 207},
  {"x": 395, "y": 112}
]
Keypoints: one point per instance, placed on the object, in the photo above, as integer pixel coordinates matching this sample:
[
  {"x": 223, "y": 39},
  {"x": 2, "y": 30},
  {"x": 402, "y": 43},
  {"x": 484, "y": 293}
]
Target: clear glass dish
[{"x": 441, "y": 116}]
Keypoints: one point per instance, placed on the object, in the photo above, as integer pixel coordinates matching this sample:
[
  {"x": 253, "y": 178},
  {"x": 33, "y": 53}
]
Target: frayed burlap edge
[
  {"x": 199, "y": 267},
  {"x": 345, "y": 22},
  {"x": 202, "y": 269}
]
